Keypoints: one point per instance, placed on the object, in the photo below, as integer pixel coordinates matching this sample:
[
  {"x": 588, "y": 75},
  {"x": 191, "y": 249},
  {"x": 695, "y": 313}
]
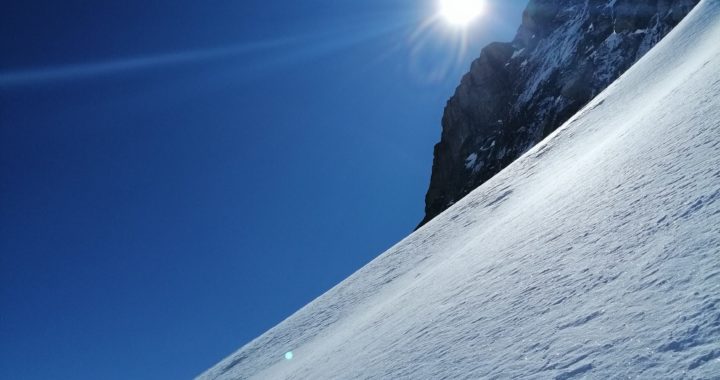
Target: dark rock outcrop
[{"x": 565, "y": 53}]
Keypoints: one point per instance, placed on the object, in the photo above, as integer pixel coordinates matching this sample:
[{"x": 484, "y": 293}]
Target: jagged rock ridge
[{"x": 564, "y": 54}]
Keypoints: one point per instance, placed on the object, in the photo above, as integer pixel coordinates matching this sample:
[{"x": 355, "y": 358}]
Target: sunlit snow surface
[{"x": 596, "y": 255}]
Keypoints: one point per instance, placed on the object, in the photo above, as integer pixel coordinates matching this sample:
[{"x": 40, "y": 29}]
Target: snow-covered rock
[
  {"x": 565, "y": 53},
  {"x": 595, "y": 255}
]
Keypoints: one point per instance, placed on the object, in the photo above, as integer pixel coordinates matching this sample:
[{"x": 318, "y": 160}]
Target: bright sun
[{"x": 461, "y": 12}]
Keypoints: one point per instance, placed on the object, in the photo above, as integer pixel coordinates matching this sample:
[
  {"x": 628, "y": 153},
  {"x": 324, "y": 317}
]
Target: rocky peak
[{"x": 516, "y": 93}]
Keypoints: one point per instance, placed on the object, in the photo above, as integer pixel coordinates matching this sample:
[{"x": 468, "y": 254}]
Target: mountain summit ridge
[{"x": 516, "y": 93}]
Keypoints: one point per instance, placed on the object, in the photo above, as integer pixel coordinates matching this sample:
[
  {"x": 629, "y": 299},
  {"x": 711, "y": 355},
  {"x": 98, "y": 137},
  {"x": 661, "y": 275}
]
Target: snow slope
[{"x": 596, "y": 255}]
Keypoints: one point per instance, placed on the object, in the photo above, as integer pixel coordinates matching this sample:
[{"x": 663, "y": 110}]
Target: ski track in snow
[{"x": 596, "y": 255}]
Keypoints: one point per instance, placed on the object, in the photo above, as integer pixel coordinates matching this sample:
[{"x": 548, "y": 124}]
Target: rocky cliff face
[{"x": 565, "y": 52}]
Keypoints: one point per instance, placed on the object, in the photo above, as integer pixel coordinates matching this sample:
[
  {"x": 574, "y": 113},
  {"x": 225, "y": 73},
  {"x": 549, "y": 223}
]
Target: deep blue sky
[{"x": 179, "y": 176}]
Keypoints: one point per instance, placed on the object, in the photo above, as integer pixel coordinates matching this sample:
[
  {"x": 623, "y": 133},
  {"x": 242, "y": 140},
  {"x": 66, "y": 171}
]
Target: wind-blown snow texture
[{"x": 595, "y": 255}]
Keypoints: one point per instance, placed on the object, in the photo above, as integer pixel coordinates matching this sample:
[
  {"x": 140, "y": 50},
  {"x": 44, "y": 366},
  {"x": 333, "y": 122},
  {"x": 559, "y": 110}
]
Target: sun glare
[{"x": 461, "y": 12}]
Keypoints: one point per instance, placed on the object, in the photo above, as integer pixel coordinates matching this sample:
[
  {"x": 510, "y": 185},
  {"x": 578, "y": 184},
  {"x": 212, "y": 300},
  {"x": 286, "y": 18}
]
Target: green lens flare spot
[{"x": 289, "y": 355}]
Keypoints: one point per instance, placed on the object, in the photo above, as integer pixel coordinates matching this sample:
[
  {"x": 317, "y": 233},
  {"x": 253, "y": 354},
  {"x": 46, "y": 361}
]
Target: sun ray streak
[
  {"x": 77, "y": 71},
  {"x": 287, "y": 50}
]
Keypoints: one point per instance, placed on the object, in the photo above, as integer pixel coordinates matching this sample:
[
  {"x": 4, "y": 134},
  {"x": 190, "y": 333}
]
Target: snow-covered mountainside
[
  {"x": 595, "y": 255},
  {"x": 517, "y": 93}
]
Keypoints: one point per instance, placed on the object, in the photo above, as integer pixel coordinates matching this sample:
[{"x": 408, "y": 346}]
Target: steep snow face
[
  {"x": 564, "y": 54},
  {"x": 595, "y": 255}
]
